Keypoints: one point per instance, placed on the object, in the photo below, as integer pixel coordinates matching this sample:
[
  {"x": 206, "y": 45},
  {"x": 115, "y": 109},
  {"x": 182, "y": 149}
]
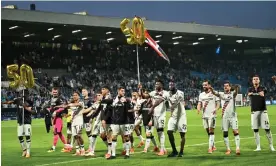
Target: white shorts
[
  {"x": 120, "y": 129},
  {"x": 179, "y": 124},
  {"x": 159, "y": 121},
  {"x": 88, "y": 127},
  {"x": 149, "y": 129},
  {"x": 138, "y": 121},
  {"x": 97, "y": 128},
  {"x": 259, "y": 119},
  {"x": 76, "y": 129},
  {"x": 131, "y": 128},
  {"x": 209, "y": 123},
  {"x": 69, "y": 128},
  {"x": 24, "y": 130},
  {"x": 229, "y": 122}
]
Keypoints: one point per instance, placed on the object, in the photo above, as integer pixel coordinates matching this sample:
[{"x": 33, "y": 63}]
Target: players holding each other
[
  {"x": 158, "y": 110},
  {"x": 56, "y": 109},
  {"x": 97, "y": 126},
  {"x": 143, "y": 106},
  {"x": 105, "y": 111},
  {"x": 178, "y": 119},
  {"x": 229, "y": 115},
  {"x": 259, "y": 116},
  {"x": 209, "y": 104}
]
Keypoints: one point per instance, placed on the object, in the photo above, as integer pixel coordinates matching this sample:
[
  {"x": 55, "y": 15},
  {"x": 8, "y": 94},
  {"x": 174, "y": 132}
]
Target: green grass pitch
[{"x": 195, "y": 152}]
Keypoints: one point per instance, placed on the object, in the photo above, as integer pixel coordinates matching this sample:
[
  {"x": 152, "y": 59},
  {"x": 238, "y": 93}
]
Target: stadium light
[
  {"x": 239, "y": 41},
  {"x": 201, "y": 38},
  {"x": 174, "y": 33},
  {"x": 157, "y": 41},
  {"x": 195, "y": 43},
  {"x": 175, "y": 43},
  {"x": 13, "y": 27},
  {"x": 28, "y": 35},
  {"x": 177, "y": 37},
  {"x": 84, "y": 38},
  {"x": 218, "y": 38},
  {"x": 158, "y": 36},
  {"x": 245, "y": 41},
  {"x": 75, "y": 31},
  {"x": 108, "y": 32},
  {"x": 50, "y": 29},
  {"x": 216, "y": 35},
  {"x": 109, "y": 39},
  {"x": 57, "y": 36},
  {"x": 127, "y": 35}
]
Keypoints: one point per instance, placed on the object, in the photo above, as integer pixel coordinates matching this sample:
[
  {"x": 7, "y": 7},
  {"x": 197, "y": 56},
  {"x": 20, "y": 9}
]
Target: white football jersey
[
  {"x": 95, "y": 107},
  {"x": 208, "y": 101},
  {"x": 228, "y": 104},
  {"x": 161, "y": 108},
  {"x": 77, "y": 116},
  {"x": 178, "y": 97}
]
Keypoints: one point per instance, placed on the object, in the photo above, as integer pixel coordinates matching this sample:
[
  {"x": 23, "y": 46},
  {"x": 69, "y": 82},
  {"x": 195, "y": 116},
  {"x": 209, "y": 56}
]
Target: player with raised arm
[
  {"x": 97, "y": 126},
  {"x": 105, "y": 111},
  {"x": 259, "y": 116},
  {"x": 77, "y": 122},
  {"x": 138, "y": 119},
  {"x": 178, "y": 119},
  {"x": 229, "y": 115},
  {"x": 24, "y": 127},
  {"x": 86, "y": 120},
  {"x": 209, "y": 104},
  {"x": 143, "y": 106},
  {"x": 56, "y": 109},
  {"x": 158, "y": 110}
]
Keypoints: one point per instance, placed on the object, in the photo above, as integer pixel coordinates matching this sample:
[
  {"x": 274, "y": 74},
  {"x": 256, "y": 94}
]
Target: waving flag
[{"x": 155, "y": 46}]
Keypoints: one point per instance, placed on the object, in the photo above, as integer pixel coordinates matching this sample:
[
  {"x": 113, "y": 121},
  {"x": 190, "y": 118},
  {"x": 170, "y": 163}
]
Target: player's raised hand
[{"x": 140, "y": 86}]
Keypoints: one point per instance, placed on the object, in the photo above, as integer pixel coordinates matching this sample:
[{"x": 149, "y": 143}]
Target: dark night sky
[{"x": 260, "y": 15}]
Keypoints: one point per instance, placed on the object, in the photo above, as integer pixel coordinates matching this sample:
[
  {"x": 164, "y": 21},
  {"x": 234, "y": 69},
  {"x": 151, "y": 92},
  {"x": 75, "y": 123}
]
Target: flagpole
[{"x": 138, "y": 68}]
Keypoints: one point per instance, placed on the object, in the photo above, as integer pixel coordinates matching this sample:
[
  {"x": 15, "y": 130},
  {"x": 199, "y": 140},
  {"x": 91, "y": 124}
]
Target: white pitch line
[{"x": 72, "y": 161}]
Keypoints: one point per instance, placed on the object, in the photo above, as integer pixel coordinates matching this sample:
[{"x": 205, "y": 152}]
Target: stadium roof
[{"x": 46, "y": 26}]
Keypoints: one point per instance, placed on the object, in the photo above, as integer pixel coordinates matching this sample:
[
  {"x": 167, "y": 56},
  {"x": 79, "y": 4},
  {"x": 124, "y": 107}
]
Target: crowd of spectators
[{"x": 95, "y": 65}]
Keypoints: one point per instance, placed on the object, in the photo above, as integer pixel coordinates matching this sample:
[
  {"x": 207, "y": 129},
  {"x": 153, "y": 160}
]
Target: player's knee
[
  {"x": 104, "y": 138},
  {"x": 236, "y": 132},
  {"x": 256, "y": 130},
  {"x": 88, "y": 133},
  {"x": 211, "y": 130},
  {"x": 94, "y": 136},
  {"x": 114, "y": 139},
  {"x": 267, "y": 130},
  {"x": 211, "y": 133},
  {"x": 225, "y": 134},
  {"x": 126, "y": 138},
  {"x": 160, "y": 130},
  {"x": 148, "y": 134},
  {"x": 182, "y": 135},
  {"x": 21, "y": 139},
  {"x": 28, "y": 138}
]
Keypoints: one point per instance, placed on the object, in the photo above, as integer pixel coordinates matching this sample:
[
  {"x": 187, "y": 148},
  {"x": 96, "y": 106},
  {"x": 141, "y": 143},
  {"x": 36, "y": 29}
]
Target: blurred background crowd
[{"x": 72, "y": 67}]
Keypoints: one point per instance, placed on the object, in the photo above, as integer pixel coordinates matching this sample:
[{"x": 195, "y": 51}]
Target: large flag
[{"x": 155, "y": 46}]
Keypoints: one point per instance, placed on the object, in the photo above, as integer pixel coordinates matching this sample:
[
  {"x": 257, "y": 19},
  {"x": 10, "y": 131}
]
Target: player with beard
[
  {"x": 57, "y": 109},
  {"x": 259, "y": 116},
  {"x": 229, "y": 115},
  {"x": 209, "y": 104},
  {"x": 160, "y": 97},
  {"x": 143, "y": 108},
  {"x": 24, "y": 128},
  {"x": 105, "y": 111},
  {"x": 120, "y": 110},
  {"x": 97, "y": 126},
  {"x": 178, "y": 119},
  {"x": 87, "y": 125}
]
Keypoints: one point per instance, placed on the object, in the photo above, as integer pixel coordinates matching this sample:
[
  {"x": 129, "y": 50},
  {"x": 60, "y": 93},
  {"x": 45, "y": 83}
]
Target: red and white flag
[{"x": 155, "y": 46}]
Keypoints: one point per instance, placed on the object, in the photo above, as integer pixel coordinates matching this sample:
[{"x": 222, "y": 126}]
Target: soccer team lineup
[{"x": 147, "y": 118}]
